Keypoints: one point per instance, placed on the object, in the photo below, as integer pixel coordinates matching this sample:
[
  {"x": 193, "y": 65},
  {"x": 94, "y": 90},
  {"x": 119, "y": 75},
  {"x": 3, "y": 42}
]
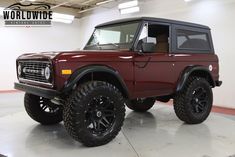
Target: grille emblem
[{"x": 25, "y": 70}]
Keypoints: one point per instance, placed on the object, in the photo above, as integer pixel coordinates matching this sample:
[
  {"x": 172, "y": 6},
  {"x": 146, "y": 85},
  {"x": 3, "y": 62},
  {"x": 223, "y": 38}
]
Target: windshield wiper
[
  {"x": 87, "y": 47},
  {"x": 100, "y": 46},
  {"x": 97, "y": 45},
  {"x": 116, "y": 45}
]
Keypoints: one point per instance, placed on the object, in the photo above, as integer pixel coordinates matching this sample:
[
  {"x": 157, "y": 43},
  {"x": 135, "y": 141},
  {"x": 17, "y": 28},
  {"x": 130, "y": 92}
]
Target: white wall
[
  {"x": 218, "y": 14},
  {"x": 17, "y": 40}
]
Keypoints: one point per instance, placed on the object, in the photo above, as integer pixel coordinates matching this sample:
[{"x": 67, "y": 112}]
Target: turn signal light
[{"x": 66, "y": 72}]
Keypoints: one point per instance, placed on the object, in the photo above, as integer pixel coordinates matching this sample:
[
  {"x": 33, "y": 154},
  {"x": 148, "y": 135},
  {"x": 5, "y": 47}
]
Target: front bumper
[
  {"x": 39, "y": 91},
  {"x": 218, "y": 83}
]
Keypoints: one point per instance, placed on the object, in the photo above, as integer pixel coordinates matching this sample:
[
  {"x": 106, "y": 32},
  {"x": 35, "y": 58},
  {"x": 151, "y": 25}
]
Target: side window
[
  {"x": 144, "y": 32},
  {"x": 155, "y": 36},
  {"x": 192, "y": 40}
]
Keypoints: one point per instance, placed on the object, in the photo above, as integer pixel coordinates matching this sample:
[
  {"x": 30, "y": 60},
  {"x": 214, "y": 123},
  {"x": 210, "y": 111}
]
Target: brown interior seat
[{"x": 162, "y": 43}]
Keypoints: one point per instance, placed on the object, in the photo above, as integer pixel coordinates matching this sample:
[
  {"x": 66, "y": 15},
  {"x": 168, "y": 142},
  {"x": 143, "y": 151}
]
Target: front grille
[{"x": 34, "y": 71}]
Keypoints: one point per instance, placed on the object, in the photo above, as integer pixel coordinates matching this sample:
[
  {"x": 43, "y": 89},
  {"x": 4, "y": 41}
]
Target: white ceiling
[{"x": 78, "y": 8}]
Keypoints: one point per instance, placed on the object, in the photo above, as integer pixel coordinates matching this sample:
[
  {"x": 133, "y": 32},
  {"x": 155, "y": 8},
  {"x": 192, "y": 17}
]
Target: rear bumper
[
  {"x": 218, "y": 83},
  {"x": 39, "y": 91}
]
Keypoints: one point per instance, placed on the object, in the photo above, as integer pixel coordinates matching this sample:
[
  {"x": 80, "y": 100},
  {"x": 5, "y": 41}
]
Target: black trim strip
[{"x": 218, "y": 83}]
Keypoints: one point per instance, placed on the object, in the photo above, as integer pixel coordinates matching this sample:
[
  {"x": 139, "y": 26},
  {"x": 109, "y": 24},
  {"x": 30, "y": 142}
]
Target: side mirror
[
  {"x": 148, "y": 47},
  {"x": 147, "y": 44}
]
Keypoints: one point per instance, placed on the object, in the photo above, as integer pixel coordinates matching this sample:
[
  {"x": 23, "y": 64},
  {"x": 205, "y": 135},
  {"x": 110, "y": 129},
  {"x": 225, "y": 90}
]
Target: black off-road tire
[
  {"x": 141, "y": 105},
  {"x": 194, "y": 102},
  {"x": 81, "y": 118},
  {"x": 42, "y": 110}
]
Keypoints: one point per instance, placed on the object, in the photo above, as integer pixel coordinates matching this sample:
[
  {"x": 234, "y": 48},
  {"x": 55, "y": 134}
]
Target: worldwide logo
[{"x": 32, "y": 14}]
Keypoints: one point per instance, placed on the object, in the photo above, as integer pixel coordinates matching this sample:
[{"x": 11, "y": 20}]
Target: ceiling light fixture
[
  {"x": 128, "y": 4},
  {"x": 104, "y": 2},
  {"x": 64, "y": 18},
  {"x": 1, "y": 11},
  {"x": 130, "y": 10},
  {"x": 187, "y": 0}
]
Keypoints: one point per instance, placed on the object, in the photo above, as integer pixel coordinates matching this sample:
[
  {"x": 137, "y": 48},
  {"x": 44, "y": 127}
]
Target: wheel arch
[
  {"x": 199, "y": 71},
  {"x": 98, "y": 73}
]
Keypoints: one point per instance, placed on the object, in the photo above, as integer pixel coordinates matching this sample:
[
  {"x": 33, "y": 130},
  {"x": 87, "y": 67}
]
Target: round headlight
[
  {"x": 47, "y": 73},
  {"x": 19, "y": 69}
]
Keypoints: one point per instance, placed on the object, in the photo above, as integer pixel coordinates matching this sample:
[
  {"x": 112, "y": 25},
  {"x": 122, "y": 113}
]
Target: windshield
[{"x": 112, "y": 37}]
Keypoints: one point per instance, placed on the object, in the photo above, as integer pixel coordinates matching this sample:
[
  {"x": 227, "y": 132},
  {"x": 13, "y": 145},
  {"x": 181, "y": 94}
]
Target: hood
[
  {"x": 39, "y": 56},
  {"x": 84, "y": 55}
]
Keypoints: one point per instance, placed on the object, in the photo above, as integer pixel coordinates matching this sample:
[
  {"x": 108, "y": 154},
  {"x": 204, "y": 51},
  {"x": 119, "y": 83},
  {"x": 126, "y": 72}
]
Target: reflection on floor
[{"x": 151, "y": 134}]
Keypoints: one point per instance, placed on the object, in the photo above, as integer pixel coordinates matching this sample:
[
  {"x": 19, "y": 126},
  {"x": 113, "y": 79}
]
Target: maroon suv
[{"x": 130, "y": 62}]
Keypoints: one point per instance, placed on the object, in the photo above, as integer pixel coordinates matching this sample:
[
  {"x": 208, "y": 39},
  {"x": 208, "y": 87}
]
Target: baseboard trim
[
  {"x": 9, "y": 91},
  {"x": 223, "y": 110}
]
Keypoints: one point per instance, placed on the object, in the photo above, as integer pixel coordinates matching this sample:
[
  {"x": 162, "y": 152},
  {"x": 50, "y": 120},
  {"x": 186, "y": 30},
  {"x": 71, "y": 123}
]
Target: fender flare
[
  {"x": 79, "y": 73},
  {"x": 188, "y": 71}
]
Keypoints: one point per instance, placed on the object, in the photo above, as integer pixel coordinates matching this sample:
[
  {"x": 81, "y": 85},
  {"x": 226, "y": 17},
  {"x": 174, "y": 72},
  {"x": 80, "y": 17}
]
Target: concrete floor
[{"x": 156, "y": 133}]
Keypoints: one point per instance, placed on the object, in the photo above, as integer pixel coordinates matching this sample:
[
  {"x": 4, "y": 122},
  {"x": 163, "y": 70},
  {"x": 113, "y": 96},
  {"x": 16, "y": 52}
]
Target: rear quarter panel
[{"x": 182, "y": 61}]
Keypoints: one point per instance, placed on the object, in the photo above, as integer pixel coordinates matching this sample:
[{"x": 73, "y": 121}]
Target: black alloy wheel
[
  {"x": 199, "y": 100},
  {"x": 100, "y": 114},
  {"x": 94, "y": 113},
  {"x": 42, "y": 110},
  {"x": 194, "y": 102}
]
